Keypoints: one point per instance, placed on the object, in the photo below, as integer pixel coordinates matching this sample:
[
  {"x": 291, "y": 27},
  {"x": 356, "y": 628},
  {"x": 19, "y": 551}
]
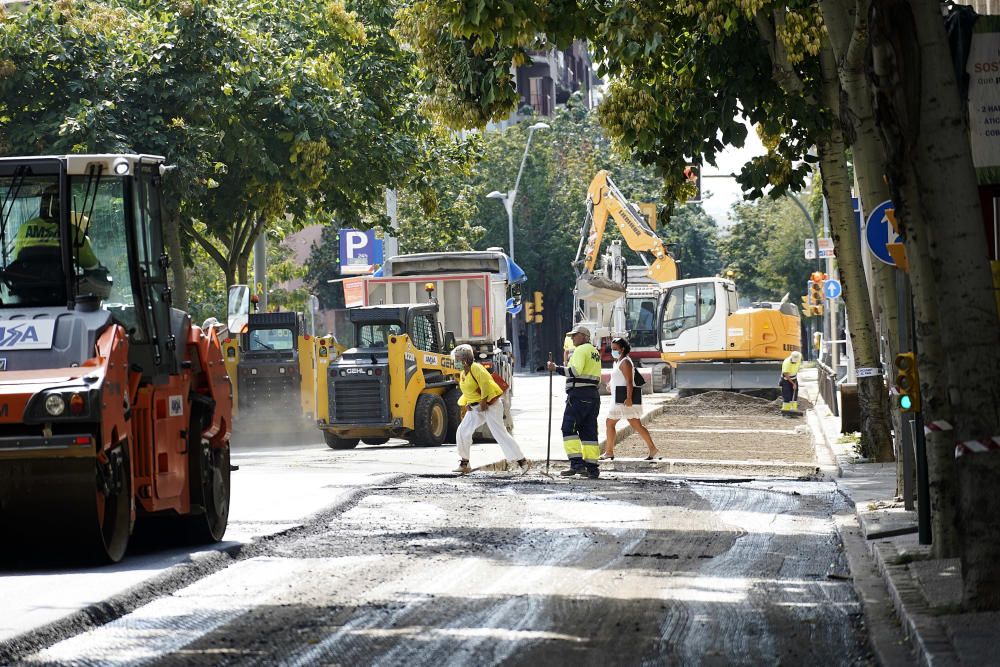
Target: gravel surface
[
  {"x": 496, "y": 569},
  {"x": 725, "y": 432}
]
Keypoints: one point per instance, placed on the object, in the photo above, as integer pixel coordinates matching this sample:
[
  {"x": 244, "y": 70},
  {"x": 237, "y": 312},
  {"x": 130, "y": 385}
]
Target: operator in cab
[
  {"x": 37, "y": 245},
  {"x": 583, "y": 402},
  {"x": 790, "y": 384}
]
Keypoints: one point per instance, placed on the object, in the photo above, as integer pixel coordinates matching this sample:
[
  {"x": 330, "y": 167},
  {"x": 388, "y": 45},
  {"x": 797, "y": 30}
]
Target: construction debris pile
[{"x": 728, "y": 403}]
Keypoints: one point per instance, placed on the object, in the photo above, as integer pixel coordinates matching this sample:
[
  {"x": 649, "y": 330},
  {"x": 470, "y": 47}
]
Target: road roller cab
[{"x": 113, "y": 406}]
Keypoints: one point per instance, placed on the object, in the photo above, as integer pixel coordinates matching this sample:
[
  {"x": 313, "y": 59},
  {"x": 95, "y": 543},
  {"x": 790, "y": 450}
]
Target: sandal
[
  {"x": 653, "y": 456},
  {"x": 605, "y": 457}
]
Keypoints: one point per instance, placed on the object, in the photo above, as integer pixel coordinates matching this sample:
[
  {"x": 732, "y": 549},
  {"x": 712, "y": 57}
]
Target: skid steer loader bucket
[{"x": 598, "y": 289}]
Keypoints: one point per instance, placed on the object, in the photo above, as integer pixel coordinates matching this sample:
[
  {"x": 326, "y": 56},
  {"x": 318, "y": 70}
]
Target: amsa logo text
[{"x": 26, "y": 334}]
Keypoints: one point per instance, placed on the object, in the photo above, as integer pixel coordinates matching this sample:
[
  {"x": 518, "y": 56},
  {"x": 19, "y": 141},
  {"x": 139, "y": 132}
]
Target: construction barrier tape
[
  {"x": 868, "y": 372},
  {"x": 936, "y": 426},
  {"x": 977, "y": 446}
]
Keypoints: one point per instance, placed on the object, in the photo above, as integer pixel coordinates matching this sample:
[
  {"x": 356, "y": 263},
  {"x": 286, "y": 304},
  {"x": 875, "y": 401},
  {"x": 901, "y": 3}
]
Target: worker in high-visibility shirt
[
  {"x": 42, "y": 232},
  {"x": 790, "y": 383},
  {"x": 567, "y": 348},
  {"x": 583, "y": 402}
]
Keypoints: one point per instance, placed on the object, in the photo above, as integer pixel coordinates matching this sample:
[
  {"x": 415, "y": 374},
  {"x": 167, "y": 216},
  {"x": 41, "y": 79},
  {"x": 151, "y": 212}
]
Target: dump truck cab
[
  {"x": 399, "y": 381},
  {"x": 113, "y": 406}
]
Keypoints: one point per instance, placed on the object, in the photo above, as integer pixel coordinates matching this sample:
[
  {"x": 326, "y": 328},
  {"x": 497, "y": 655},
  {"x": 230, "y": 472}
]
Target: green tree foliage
[
  {"x": 268, "y": 109},
  {"x": 696, "y": 238},
  {"x": 765, "y": 250}
]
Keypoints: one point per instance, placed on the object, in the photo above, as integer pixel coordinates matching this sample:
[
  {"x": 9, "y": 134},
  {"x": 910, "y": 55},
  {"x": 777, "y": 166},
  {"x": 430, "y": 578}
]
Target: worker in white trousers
[{"x": 481, "y": 398}]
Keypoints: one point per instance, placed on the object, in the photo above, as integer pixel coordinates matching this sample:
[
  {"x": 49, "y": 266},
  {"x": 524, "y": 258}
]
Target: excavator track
[{"x": 66, "y": 509}]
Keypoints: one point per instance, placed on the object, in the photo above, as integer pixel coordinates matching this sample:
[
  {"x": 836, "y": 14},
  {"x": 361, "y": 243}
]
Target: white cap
[{"x": 795, "y": 356}]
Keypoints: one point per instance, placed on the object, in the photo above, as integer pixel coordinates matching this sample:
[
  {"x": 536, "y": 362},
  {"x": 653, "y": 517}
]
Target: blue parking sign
[
  {"x": 360, "y": 252},
  {"x": 879, "y": 232}
]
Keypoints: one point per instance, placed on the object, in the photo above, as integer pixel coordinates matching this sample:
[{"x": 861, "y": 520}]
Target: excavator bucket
[{"x": 598, "y": 289}]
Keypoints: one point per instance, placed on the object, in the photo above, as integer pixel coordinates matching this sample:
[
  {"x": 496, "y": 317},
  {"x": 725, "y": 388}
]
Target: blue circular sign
[
  {"x": 832, "y": 289},
  {"x": 879, "y": 233}
]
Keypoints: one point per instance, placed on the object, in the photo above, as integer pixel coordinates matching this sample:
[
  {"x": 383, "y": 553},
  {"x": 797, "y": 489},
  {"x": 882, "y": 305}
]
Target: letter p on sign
[{"x": 355, "y": 241}]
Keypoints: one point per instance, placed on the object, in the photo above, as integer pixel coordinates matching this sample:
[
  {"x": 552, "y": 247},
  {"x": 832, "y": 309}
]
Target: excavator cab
[{"x": 112, "y": 405}]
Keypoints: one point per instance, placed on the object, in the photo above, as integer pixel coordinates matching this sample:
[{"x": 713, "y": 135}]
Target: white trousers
[{"x": 493, "y": 416}]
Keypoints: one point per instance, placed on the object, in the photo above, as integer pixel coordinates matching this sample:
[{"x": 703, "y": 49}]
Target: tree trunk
[
  {"x": 241, "y": 267},
  {"x": 930, "y": 170},
  {"x": 172, "y": 232},
  {"x": 875, "y": 439},
  {"x": 849, "y": 36}
]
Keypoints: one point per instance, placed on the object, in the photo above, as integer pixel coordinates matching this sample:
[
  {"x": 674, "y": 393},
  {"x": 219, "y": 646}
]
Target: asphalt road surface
[{"x": 378, "y": 556}]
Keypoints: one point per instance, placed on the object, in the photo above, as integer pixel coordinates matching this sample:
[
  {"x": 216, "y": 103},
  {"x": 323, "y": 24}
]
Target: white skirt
[{"x": 622, "y": 411}]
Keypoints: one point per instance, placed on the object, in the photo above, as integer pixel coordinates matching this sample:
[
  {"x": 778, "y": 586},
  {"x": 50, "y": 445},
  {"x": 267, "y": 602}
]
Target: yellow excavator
[{"x": 708, "y": 340}]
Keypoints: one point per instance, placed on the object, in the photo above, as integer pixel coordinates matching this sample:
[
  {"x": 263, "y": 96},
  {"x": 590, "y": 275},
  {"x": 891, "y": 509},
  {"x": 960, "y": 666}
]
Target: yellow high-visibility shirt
[
  {"x": 477, "y": 385},
  {"x": 43, "y": 233},
  {"x": 585, "y": 362},
  {"x": 789, "y": 367},
  {"x": 568, "y": 344}
]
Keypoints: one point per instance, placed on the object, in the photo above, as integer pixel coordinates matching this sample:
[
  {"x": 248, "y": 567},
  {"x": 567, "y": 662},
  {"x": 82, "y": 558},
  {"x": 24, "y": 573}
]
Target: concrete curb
[{"x": 925, "y": 632}]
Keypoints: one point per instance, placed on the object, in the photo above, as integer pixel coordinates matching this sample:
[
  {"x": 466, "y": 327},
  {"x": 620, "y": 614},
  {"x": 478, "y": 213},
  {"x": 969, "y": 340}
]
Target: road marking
[{"x": 171, "y": 623}]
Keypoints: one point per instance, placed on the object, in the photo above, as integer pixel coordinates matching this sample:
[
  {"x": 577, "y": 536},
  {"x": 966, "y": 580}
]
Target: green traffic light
[{"x": 905, "y": 402}]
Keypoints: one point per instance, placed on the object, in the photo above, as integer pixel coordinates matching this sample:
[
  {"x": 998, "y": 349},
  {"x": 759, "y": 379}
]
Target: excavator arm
[{"x": 605, "y": 200}]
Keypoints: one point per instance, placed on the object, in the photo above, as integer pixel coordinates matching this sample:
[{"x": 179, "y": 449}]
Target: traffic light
[
  {"x": 908, "y": 382},
  {"x": 538, "y": 306},
  {"x": 529, "y": 312},
  {"x": 806, "y": 307},
  {"x": 692, "y": 174},
  {"x": 818, "y": 310},
  {"x": 816, "y": 292}
]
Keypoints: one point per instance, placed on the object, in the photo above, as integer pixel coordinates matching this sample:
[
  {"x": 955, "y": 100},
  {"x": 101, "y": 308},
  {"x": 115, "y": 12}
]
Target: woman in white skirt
[
  {"x": 481, "y": 398},
  {"x": 626, "y": 400}
]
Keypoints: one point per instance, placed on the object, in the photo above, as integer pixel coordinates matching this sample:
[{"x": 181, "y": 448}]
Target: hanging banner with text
[{"x": 983, "y": 68}]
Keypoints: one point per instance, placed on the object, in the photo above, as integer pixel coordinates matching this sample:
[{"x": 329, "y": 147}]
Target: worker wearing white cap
[
  {"x": 583, "y": 402},
  {"x": 790, "y": 383}
]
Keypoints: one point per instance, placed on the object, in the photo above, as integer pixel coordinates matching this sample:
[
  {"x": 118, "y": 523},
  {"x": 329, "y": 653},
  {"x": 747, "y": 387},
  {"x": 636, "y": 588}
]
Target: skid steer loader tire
[
  {"x": 454, "y": 413},
  {"x": 336, "y": 442},
  {"x": 430, "y": 419}
]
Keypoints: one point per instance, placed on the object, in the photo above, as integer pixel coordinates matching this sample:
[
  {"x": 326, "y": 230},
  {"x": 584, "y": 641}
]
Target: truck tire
[
  {"x": 430, "y": 418},
  {"x": 334, "y": 441},
  {"x": 454, "y": 413}
]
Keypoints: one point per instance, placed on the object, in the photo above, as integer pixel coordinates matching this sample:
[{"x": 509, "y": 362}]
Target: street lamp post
[{"x": 507, "y": 199}]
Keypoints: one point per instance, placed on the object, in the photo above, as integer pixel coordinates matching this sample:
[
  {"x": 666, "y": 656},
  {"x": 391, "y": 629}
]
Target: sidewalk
[{"x": 926, "y": 592}]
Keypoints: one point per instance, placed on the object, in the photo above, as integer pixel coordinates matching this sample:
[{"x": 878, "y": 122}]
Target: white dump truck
[{"x": 473, "y": 290}]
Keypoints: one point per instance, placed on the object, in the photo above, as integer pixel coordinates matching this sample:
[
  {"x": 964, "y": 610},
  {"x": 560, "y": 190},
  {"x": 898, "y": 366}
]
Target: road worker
[
  {"x": 567, "y": 348},
  {"x": 42, "y": 232},
  {"x": 583, "y": 402},
  {"x": 481, "y": 398},
  {"x": 36, "y": 249},
  {"x": 790, "y": 383}
]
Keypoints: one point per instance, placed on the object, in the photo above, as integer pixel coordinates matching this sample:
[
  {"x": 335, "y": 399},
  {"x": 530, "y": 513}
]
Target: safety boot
[
  {"x": 593, "y": 471},
  {"x": 463, "y": 468},
  {"x": 574, "y": 469}
]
